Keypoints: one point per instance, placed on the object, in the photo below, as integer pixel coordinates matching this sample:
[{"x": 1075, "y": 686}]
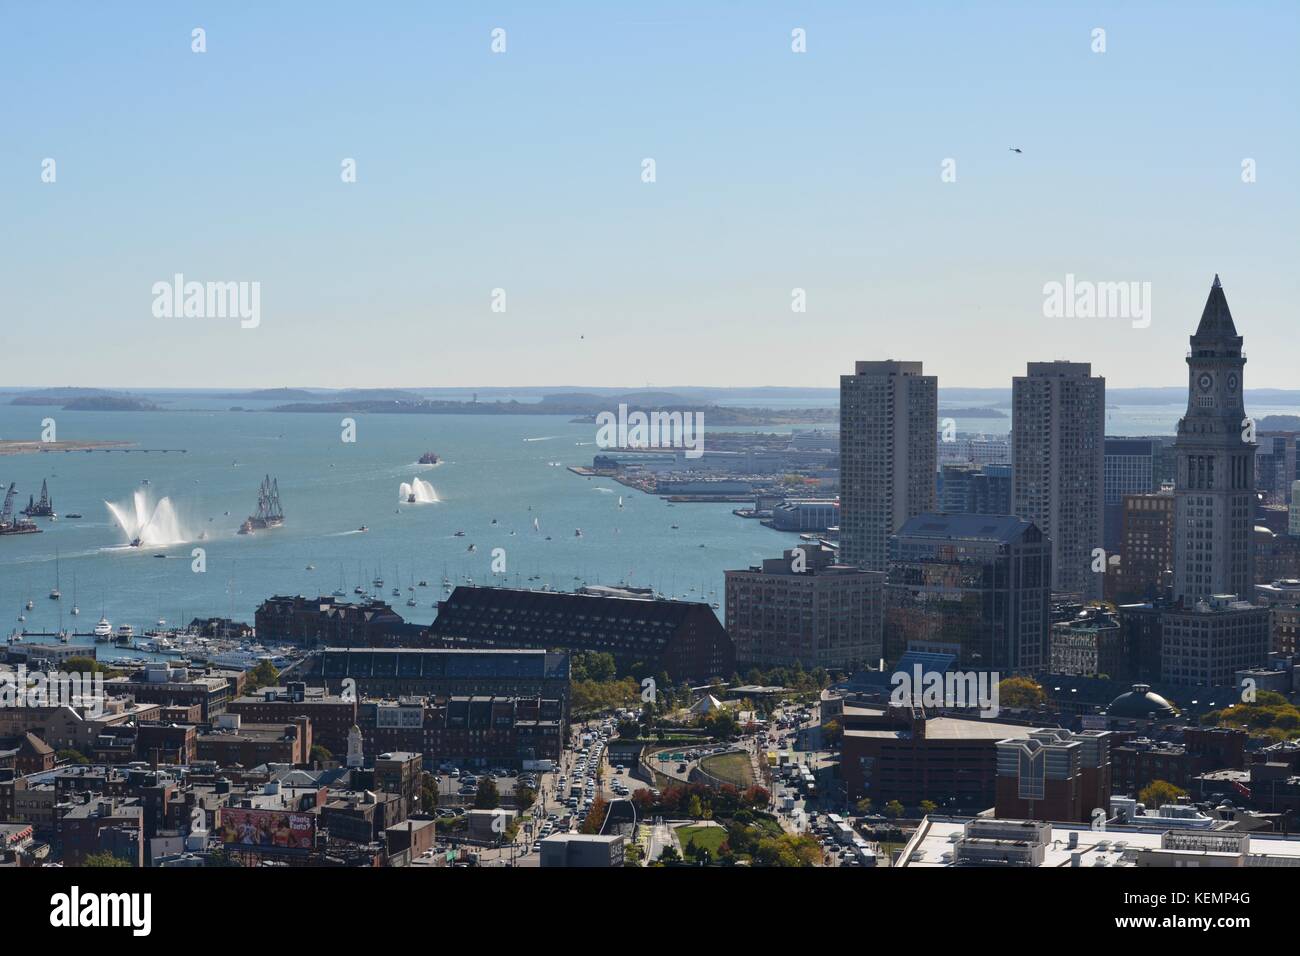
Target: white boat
[{"x": 103, "y": 630}]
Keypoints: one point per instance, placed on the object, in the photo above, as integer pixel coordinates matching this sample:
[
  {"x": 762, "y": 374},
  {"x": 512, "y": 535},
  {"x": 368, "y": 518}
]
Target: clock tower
[{"x": 1214, "y": 502}]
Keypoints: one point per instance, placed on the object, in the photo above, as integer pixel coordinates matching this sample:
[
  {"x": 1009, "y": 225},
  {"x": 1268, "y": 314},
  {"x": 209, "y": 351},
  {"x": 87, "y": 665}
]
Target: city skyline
[{"x": 919, "y": 504}]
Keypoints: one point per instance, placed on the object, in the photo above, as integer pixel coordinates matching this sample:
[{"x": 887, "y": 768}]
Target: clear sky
[{"x": 523, "y": 171}]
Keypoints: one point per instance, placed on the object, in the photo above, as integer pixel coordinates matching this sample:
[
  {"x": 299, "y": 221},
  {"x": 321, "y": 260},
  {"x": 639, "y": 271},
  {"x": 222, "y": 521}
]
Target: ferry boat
[{"x": 125, "y": 635}]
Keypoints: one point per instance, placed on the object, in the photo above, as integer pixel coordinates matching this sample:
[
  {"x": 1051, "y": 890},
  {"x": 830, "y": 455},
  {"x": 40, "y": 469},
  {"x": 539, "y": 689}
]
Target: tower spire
[{"x": 1216, "y": 320}]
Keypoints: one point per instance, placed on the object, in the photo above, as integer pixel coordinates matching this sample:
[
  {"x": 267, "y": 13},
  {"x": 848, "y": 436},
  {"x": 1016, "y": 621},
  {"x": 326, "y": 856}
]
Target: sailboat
[
  {"x": 55, "y": 594},
  {"x": 537, "y": 526},
  {"x": 339, "y": 592},
  {"x": 75, "y": 610}
]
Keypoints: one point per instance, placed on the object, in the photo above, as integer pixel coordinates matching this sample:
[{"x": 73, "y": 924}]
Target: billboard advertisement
[{"x": 268, "y": 828}]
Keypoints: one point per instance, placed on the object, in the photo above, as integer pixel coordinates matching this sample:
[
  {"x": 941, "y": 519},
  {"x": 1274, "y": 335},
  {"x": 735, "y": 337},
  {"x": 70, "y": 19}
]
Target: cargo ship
[
  {"x": 429, "y": 458},
  {"x": 269, "y": 514},
  {"x": 11, "y": 523}
]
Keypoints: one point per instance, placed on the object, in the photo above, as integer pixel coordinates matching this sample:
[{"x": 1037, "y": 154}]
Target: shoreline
[{"x": 15, "y": 447}]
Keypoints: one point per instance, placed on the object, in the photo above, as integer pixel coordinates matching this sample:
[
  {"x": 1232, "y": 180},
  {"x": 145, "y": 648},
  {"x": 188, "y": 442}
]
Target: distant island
[
  {"x": 86, "y": 400},
  {"x": 975, "y": 412},
  {"x": 334, "y": 397},
  {"x": 580, "y": 406}
]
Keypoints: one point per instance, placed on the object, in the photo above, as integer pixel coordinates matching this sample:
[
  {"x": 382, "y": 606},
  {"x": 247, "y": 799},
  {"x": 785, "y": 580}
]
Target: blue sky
[{"x": 522, "y": 171}]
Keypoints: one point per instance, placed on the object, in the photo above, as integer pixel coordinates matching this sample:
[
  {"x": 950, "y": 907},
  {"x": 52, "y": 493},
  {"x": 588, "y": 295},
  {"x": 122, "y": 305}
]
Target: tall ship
[
  {"x": 11, "y": 523},
  {"x": 269, "y": 514},
  {"x": 40, "y": 509}
]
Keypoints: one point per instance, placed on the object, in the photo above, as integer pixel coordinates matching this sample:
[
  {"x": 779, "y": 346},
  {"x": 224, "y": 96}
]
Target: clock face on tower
[
  {"x": 1205, "y": 380},
  {"x": 1232, "y": 381}
]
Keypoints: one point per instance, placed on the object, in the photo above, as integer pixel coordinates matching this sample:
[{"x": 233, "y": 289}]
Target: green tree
[
  {"x": 832, "y": 733},
  {"x": 83, "y": 665},
  {"x": 72, "y": 755},
  {"x": 694, "y": 808},
  {"x": 593, "y": 666},
  {"x": 928, "y": 807},
  {"x": 429, "y": 793},
  {"x": 263, "y": 675},
  {"x": 321, "y": 754},
  {"x": 524, "y": 797},
  {"x": 864, "y": 806},
  {"x": 105, "y": 860},
  {"x": 487, "y": 797},
  {"x": 893, "y": 809}
]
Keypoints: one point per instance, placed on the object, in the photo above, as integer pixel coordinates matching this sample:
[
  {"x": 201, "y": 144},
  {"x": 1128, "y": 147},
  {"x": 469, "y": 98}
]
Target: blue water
[{"x": 494, "y": 467}]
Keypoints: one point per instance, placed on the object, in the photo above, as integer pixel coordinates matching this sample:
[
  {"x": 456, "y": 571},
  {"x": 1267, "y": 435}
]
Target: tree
[
  {"x": 72, "y": 755},
  {"x": 928, "y": 807},
  {"x": 105, "y": 859},
  {"x": 893, "y": 809},
  {"x": 864, "y": 806},
  {"x": 593, "y": 666},
  {"x": 1021, "y": 692},
  {"x": 524, "y": 796},
  {"x": 694, "y": 809},
  {"x": 83, "y": 665},
  {"x": 487, "y": 797},
  {"x": 595, "y": 818},
  {"x": 832, "y": 733},
  {"x": 320, "y": 754},
  {"x": 1159, "y": 792},
  {"x": 263, "y": 675},
  {"x": 429, "y": 793}
]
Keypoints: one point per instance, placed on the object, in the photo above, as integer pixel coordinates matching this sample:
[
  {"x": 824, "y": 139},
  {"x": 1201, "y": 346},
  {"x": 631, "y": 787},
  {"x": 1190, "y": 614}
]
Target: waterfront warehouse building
[{"x": 645, "y": 636}]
